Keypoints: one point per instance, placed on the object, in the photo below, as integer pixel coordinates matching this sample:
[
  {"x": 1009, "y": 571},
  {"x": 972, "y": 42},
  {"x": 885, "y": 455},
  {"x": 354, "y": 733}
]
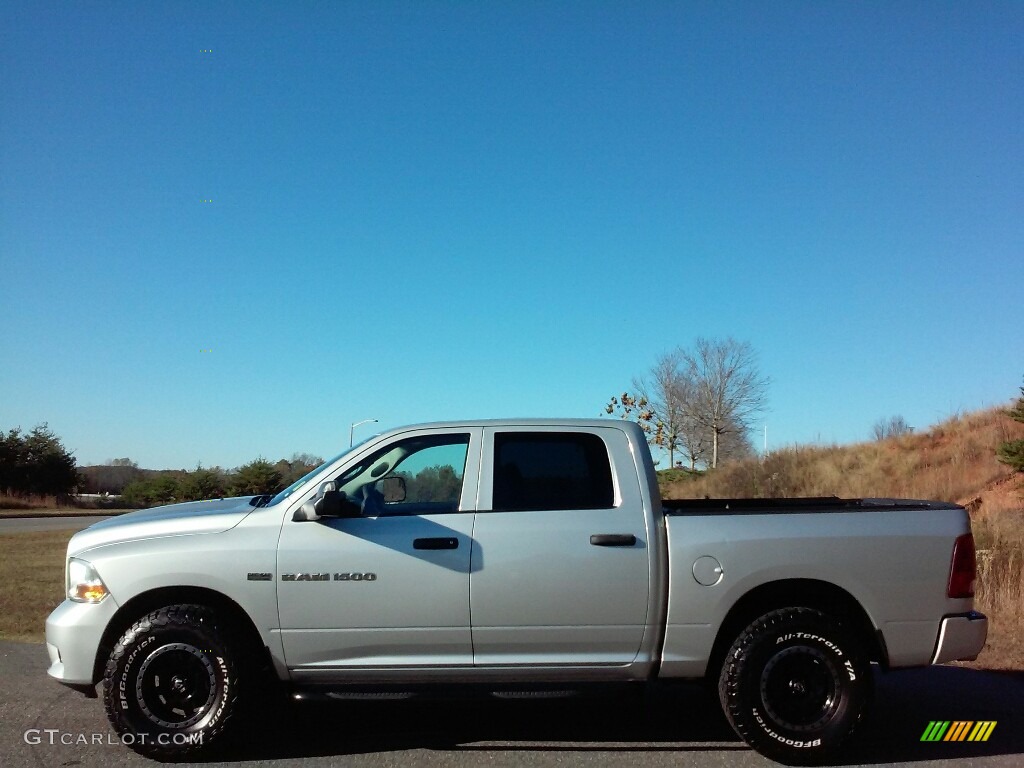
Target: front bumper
[
  {"x": 73, "y": 634},
  {"x": 961, "y": 637}
]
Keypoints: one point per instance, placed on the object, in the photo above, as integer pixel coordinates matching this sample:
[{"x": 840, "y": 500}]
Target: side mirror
[
  {"x": 337, "y": 504},
  {"x": 330, "y": 503},
  {"x": 393, "y": 488},
  {"x": 306, "y": 513},
  {"x": 312, "y": 510}
]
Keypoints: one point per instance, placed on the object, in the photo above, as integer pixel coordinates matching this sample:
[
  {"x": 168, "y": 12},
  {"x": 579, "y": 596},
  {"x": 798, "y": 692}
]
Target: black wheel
[
  {"x": 170, "y": 685},
  {"x": 794, "y": 685}
]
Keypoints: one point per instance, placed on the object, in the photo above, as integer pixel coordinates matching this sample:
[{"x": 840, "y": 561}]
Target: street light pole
[{"x": 352, "y": 429}]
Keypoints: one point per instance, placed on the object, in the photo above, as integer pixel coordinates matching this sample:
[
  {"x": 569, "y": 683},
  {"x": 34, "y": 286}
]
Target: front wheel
[
  {"x": 170, "y": 685},
  {"x": 794, "y": 685}
]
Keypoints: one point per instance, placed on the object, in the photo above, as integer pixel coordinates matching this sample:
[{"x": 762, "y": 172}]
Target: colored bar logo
[{"x": 958, "y": 730}]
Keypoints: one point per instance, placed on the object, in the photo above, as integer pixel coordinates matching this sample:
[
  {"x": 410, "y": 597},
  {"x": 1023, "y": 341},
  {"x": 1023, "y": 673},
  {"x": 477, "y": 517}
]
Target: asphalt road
[
  {"x": 675, "y": 728},
  {"x": 55, "y": 523}
]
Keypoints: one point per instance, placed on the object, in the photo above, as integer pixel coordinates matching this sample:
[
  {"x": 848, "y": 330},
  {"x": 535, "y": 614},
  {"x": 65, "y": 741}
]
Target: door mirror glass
[
  {"x": 337, "y": 504},
  {"x": 394, "y": 489}
]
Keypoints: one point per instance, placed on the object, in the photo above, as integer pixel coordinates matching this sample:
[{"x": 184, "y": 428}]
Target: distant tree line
[
  {"x": 148, "y": 487},
  {"x": 36, "y": 464},
  {"x": 438, "y": 483}
]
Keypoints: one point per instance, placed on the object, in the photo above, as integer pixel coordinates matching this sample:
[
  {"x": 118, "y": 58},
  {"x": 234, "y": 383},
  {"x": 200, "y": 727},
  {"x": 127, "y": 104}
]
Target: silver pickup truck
[{"x": 511, "y": 556}]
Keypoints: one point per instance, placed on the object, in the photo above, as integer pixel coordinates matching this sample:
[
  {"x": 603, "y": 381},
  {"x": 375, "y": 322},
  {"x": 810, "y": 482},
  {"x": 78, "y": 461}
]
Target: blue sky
[{"x": 424, "y": 211}]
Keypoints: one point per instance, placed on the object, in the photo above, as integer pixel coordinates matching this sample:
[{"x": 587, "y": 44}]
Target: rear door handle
[
  {"x": 443, "y": 542},
  {"x": 613, "y": 540}
]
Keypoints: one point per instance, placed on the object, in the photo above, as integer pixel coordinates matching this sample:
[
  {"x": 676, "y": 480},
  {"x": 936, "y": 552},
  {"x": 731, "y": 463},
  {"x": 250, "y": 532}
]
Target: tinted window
[{"x": 547, "y": 470}]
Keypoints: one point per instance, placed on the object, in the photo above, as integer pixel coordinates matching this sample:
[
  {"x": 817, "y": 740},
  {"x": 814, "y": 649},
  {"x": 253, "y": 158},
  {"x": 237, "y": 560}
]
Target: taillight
[{"x": 964, "y": 569}]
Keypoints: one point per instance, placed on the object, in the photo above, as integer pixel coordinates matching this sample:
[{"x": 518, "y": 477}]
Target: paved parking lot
[{"x": 681, "y": 727}]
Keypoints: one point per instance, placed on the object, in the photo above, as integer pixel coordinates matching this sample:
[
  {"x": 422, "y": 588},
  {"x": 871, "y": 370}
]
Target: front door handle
[
  {"x": 443, "y": 542},
  {"x": 613, "y": 540}
]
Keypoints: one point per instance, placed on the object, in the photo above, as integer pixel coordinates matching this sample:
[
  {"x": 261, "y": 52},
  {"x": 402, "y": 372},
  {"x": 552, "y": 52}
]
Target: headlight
[{"x": 84, "y": 584}]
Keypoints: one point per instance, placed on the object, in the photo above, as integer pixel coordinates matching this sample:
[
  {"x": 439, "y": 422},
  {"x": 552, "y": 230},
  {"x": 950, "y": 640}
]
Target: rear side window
[{"x": 551, "y": 470}]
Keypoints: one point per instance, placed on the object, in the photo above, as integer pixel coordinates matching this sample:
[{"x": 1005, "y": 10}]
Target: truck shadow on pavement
[
  {"x": 678, "y": 719},
  {"x": 907, "y": 701}
]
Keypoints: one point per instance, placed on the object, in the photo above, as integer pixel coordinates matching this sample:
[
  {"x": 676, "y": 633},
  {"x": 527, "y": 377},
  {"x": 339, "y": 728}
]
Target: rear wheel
[
  {"x": 170, "y": 685},
  {"x": 795, "y": 684}
]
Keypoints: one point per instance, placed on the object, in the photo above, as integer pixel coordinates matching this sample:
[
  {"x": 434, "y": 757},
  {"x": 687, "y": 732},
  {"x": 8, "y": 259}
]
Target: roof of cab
[{"x": 545, "y": 423}]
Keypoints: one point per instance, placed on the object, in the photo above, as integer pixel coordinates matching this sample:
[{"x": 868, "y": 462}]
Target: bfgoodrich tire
[
  {"x": 170, "y": 685},
  {"x": 794, "y": 685}
]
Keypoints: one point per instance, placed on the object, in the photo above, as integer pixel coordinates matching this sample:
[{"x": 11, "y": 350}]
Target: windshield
[{"x": 281, "y": 496}]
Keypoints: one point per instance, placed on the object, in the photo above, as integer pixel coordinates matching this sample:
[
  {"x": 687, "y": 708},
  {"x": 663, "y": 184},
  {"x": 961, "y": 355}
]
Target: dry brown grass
[
  {"x": 34, "y": 562},
  {"x": 30, "y": 503},
  {"x": 998, "y": 524},
  {"x": 1000, "y": 600},
  {"x": 13, "y": 506},
  {"x": 954, "y": 461},
  {"x": 6, "y": 514}
]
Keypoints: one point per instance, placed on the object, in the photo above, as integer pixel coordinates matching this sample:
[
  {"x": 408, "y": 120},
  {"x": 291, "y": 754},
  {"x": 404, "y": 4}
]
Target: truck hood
[{"x": 189, "y": 518}]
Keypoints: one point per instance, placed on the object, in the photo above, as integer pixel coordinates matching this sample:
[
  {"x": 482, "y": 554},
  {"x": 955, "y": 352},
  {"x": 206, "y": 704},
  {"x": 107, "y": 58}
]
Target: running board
[
  {"x": 308, "y": 695},
  {"x": 343, "y": 693}
]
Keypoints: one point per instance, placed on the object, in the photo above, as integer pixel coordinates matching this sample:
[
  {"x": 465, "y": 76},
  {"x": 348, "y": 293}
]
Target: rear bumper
[{"x": 961, "y": 637}]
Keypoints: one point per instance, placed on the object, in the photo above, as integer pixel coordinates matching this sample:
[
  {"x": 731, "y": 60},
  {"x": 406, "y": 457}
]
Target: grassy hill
[{"x": 953, "y": 461}]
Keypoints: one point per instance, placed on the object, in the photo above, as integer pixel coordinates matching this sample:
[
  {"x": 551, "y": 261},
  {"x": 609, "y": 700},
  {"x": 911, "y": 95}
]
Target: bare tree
[
  {"x": 657, "y": 404},
  {"x": 694, "y": 439},
  {"x": 734, "y": 444},
  {"x": 729, "y": 391},
  {"x": 893, "y": 427},
  {"x": 698, "y": 403}
]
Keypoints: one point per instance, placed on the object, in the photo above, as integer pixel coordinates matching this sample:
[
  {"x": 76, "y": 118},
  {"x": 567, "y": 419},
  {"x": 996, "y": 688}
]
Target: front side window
[
  {"x": 434, "y": 474},
  {"x": 551, "y": 470},
  {"x": 415, "y": 476}
]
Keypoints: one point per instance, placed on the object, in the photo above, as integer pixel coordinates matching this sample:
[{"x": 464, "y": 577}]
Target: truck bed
[{"x": 795, "y": 505}]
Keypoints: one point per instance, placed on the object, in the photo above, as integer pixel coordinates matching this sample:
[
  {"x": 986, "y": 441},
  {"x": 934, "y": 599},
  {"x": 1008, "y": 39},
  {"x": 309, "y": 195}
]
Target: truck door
[
  {"x": 561, "y": 560},
  {"x": 387, "y": 586}
]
